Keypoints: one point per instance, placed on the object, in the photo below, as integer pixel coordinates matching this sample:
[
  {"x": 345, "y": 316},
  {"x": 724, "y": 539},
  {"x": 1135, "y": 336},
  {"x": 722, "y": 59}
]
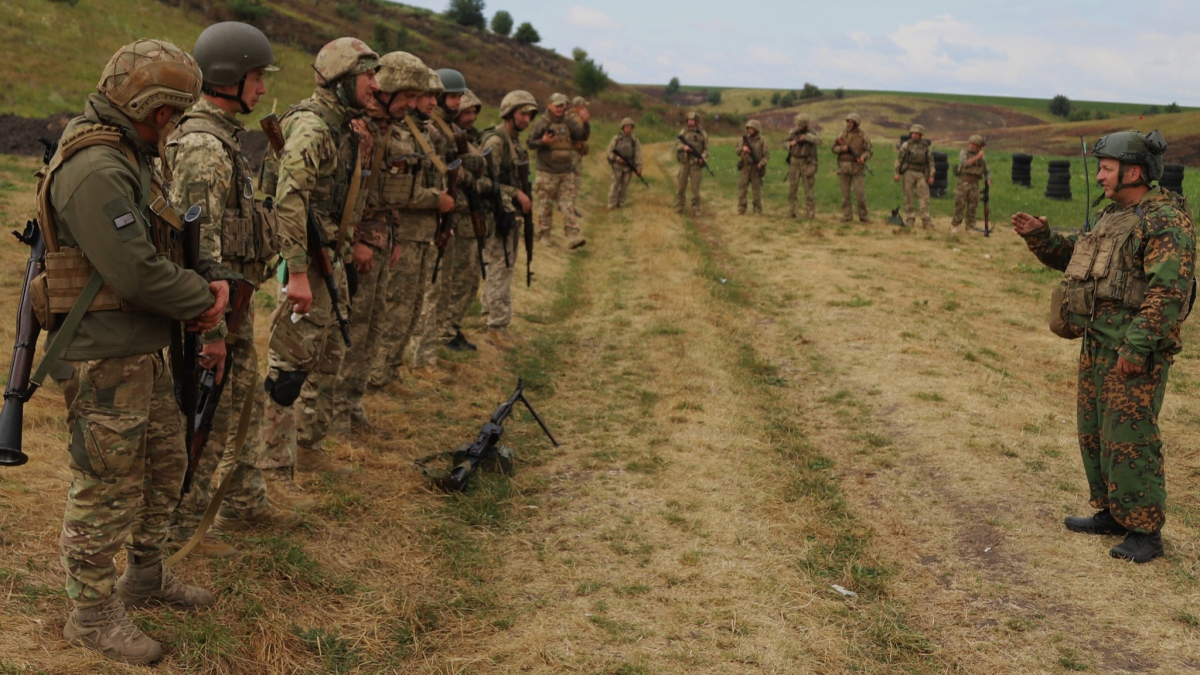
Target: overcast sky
[{"x": 1095, "y": 50}]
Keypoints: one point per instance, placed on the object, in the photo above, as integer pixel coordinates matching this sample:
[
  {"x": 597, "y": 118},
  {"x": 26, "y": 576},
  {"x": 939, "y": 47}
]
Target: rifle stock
[
  {"x": 20, "y": 389},
  {"x": 987, "y": 208},
  {"x": 854, "y": 155}
]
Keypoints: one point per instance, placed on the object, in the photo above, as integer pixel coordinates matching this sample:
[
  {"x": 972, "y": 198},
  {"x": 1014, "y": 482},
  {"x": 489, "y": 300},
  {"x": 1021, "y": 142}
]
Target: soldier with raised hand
[
  {"x": 318, "y": 176},
  {"x": 623, "y": 149},
  {"x": 753, "y": 154},
  {"x": 801, "y": 145},
  {"x": 111, "y": 246},
  {"x": 691, "y": 166},
  {"x": 1127, "y": 301},
  {"x": 853, "y": 149},
  {"x": 517, "y": 111},
  {"x": 553, "y": 137},
  {"x": 914, "y": 165},
  {"x": 579, "y": 149},
  {"x": 971, "y": 169}
]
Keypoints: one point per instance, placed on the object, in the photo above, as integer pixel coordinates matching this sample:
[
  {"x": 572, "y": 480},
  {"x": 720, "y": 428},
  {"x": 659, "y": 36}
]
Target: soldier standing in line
[
  {"x": 553, "y": 137},
  {"x": 1127, "y": 302},
  {"x": 691, "y": 166},
  {"x": 109, "y": 228},
  {"x": 971, "y": 168},
  {"x": 205, "y": 156},
  {"x": 914, "y": 165},
  {"x": 401, "y": 77},
  {"x": 753, "y": 154},
  {"x": 801, "y": 144},
  {"x": 579, "y": 149},
  {"x": 319, "y": 177},
  {"x": 853, "y": 149},
  {"x": 517, "y": 110},
  {"x": 420, "y": 193},
  {"x": 623, "y": 149}
]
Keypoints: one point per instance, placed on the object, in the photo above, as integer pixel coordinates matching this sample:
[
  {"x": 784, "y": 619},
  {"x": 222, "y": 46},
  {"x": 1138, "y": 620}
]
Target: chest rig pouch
[
  {"x": 915, "y": 157},
  {"x": 67, "y": 271},
  {"x": 560, "y": 149},
  {"x": 329, "y": 193}
]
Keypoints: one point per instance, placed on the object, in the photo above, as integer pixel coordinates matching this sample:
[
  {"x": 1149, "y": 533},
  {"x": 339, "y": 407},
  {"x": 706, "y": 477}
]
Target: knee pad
[{"x": 284, "y": 389}]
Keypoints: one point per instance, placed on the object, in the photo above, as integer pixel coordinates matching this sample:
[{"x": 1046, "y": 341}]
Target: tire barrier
[
  {"x": 1022, "y": 169},
  {"x": 941, "y": 170},
  {"x": 1172, "y": 178},
  {"x": 1058, "y": 186}
]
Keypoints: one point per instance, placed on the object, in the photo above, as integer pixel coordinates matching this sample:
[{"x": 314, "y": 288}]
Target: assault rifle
[
  {"x": 799, "y": 142},
  {"x": 185, "y": 343},
  {"x": 632, "y": 167},
  {"x": 474, "y": 205},
  {"x": 698, "y": 155},
  {"x": 987, "y": 208},
  {"x": 445, "y": 226},
  {"x": 505, "y": 221},
  {"x": 527, "y": 188},
  {"x": 853, "y": 155},
  {"x": 20, "y": 388},
  {"x": 318, "y": 250}
]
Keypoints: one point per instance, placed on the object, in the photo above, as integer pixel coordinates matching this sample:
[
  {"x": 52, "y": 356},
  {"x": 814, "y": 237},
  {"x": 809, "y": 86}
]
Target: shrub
[
  {"x": 348, "y": 10},
  {"x": 467, "y": 13},
  {"x": 789, "y": 99},
  {"x": 502, "y": 23},
  {"x": 1100, "y": 115},
  {"x": 1173, "y": 108},
  {"x": 714, "y": 97},
  {"x": 578, "y": 54},
  {"x": 1060, "y": 106},
  {"x": 527, "y": 35},
  {"x": 1152, "y": 110},
  {"x": 810, "y": 91},
  {"x": 755, "y": 101},
  {"x": 1079, "y": 115},
  {"x": 635, "y": 100},
  {"x": 839, "y": 93},
  {"x": 775, "y": 97},
  {"x": 248, "y": 10},
  {"x": 671, "y": 89},
  {"x": 590, "y": 78},
  {"x": 650, "y": 119}
]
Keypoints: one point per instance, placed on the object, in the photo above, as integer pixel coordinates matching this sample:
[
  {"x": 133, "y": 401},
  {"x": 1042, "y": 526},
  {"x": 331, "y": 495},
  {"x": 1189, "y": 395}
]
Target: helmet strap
[
  {"x": 206, "y": 89},
  {"x": 1121, "y": 184}
]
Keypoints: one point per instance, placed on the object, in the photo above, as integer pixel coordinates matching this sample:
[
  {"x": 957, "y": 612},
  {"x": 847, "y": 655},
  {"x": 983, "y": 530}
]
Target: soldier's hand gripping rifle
[
  {"x": 474, "y": 204},
  {"x": 20, "y": 388},
  {"x": 527, "y": 188},
  {"x": 754, "y": 159},
  {"x": 318, "y": 249},
  {"x": 698, "y": 155},
  {"x": 445, "y": 226},
  {"x": 853, "y": 155},
  {"x": 632, "y": 167}
]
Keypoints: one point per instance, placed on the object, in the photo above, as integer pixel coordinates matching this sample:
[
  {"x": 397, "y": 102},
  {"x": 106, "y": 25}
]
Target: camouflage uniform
[
  {"x": 579, "y": 149},
  {"x": 914, "y": 165},
  {"x": 556, "y": 181},
  {"x": 851, "y": 174},
  {"x": 691, "y": 168},
  {"x": 629, "y": 147},
  {"x": 209, "y": 169},
  {"x": 802, "y": 165},
  {"x": 501, "y": 250},
  {"x": 751, "y": 173},
  {"x": 966, "y": 193},
  {"x": 1137, "y": 318}
]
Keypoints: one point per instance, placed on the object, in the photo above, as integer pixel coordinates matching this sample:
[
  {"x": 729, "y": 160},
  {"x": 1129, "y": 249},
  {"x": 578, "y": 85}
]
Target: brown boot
[
  {"x": 317, "y": 461},
  {"x": 576, "y": 242},
  {"x": 270, "y": 518},
  {"x": 107, "y": 629},
  {"x": 143, "y": 584},
  {"x": 501, "y": 338},
  {"x": 283, "y": 491},
  {"x": 361, "y": 425}
]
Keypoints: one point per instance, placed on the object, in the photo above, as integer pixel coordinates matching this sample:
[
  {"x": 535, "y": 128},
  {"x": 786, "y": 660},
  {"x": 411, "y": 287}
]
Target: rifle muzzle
[{"x": 12, "y": 419}]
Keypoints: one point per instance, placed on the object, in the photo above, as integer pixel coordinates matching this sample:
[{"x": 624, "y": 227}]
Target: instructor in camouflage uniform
[
  {"x": 853, "y": 150},
  {"x": 317, "y": 174},
  {"x": 1127, "y": 302},
  {"x": 109, "y": 228},
  {"x": 801, "y": 145},
  {"x": 625, "y": 155},
  {"x": 752, "y": 154},
  {"x": 971, "y": 168},
  {"x": 553, "y": 137},
  {"x": 691, "y": 167},
  {"x": 914, "y": 165}
]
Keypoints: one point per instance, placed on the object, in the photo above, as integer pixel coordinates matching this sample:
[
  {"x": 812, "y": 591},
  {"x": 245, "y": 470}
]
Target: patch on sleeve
[
  {"x": 124, "y": 220},
  {"x": 124, "y": 217}
]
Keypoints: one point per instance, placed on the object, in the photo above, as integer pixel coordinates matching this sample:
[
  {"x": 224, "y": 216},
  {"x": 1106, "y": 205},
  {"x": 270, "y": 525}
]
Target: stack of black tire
[
  {"x": 1022, "y": 169},
  {"x": 1172, "y": 178},
  {"x": 1059, "y": 185},
  {"x": 941, "y": 168}
]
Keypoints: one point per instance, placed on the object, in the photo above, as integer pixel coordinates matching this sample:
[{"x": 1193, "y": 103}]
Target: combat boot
[
  {"x": 361, "y": 425},
  {"x": 501, "y": 338},
  {"x": 317, "y": 461},
  {"x": 1101, "y": 523},
  {"x": 282, "y": 489},
  {"x": 270, "y": 518},
  {"x": 953, "y": 230},
  {"x": 1139, "y": 547},
  {"x": 459, "y": 343},
  {"x": 212, "y": 547},
  {"x": 144, "y": 584},
  {"x": 576, "y": 242},
  {"x": 107, "y": 629}
]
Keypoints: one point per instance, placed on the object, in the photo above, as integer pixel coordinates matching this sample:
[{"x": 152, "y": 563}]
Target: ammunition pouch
[
  {"x": 562, "y": 147},
  {"x": 1060, "y": 316},
  {"x": 284, "y": 389}
]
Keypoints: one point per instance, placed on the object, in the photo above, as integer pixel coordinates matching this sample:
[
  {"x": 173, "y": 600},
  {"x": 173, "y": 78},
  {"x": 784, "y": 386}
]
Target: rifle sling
[
  {"x": 66, "y": 332},
  {"x": 425, "y": 145},
  {"x": 351, "y": 204}
]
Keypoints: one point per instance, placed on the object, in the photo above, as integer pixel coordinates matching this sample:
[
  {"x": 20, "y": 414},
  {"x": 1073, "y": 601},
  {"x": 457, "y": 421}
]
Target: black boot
[
  {"x": 460, "y": 344},
  {"x": 1101, "y": 523},
  {"x": 1139, "y": 547}
]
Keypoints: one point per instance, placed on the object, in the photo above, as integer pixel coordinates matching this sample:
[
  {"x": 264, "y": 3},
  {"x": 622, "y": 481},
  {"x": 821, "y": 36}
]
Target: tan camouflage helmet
[
  {"x": 518, "y": 100},
  {"x": 579, "y": 101},
  {"x": 854, "y": 117},
  {"x": 470, "y": 100},
  {"x": 627, "y": 122},
  {"x": 344, "y": 57},
  {"x": 146, "y": 74},
  {"x": 977, "y": 140},
  {"x": 401, "y": 71},
  {"x": 434, "y": 83},
  {"x": 755, "y": 125},
  {"x": 693, "y": 115},
  {"x": 916, "y": 129},
  {"x": 801, "y": 119},
  {"x": 557, "y": 99}
]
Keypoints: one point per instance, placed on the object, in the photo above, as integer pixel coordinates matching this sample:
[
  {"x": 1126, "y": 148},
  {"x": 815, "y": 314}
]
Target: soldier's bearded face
[
  {"x": 403, "y": 102},
  {"x": 521, "y": 119},
  {"x": 692, "y": 124},
  {"x": 453, "y": 102},
  {"x": 916, "y": 136},
  {"x": 466, "y": 118}
]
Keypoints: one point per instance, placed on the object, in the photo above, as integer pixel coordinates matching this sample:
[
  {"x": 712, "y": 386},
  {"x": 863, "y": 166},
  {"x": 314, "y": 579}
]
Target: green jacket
[{"x": 90, "y": 194}]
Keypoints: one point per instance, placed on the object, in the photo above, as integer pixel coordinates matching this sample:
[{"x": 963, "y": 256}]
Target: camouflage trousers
[
  {"x": 751, "y": 178},
  {"x": 127, "y": 461},
  {"x": 461, "y": 267},
  {"x": 1117, "y": 419},
  {"x": 247, "y": 495},
  {"x": 368, "y": 314},
  {"x": 858, "y": 184},
  {"x": 312, "y": 345},
  {"x": 497, "y": 290},
  {"x": 966, "y": 202},
  {"x": 806, "y": 174},
  {"x": 688, "y": 178},
  {"x": 407, "y": 289},
  {"x": 577, "y": 168},
  {"x": 620, "y": 185},
  {"x": 552, "y": 188},
  {"x": 916, "y": 189}
]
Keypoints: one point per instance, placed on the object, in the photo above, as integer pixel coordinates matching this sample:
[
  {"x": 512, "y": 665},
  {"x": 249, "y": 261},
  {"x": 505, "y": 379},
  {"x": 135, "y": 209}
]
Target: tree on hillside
[
  {"x": 1173, "y": 108},
  {"x": 1060, "y": 106},
  {"x": 502, "y": 23},
  {"x": 714, "y": 97},
  {"x": 467, "y": 13},
  {"x": 527, "y": 35},
  {"x": 590, "y": 78},
  {"x": 578, "y": 54},
  {"x": 810, "y": 91},
  {"x": 671, "y": 89}
]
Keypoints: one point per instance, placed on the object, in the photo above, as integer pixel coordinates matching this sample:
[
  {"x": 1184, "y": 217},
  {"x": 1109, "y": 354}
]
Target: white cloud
[
  {"x": 770, "y": 57},
  {"x": 585, "y": 17}
]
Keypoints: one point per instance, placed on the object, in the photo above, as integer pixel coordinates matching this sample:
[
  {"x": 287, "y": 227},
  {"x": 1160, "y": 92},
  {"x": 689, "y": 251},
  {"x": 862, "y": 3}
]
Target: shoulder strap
[
  {"x": 84, "y": 137},
  {"x": 424, "y": 143},
  {"x": 66, "y": 332}
]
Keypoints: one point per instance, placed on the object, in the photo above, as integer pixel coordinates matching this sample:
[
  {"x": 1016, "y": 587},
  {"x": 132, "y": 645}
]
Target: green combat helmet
[
  {"x": 518, "y": 100},
  {"x": 226, "y": 52},
  {"x": 339, "y": 61},
  {"x": 579, "y": 102},
  {"x": 558, "y": 99},
  {"x": 453, "y": 81},
  {"x": 146, "y": 74},
  {"x": 401, "y": 71},
  {"x": 1134, "y": 147}
]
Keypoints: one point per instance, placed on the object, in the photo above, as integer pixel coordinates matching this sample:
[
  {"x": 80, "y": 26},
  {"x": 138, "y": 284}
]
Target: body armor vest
[
  {"x": 625, "y": 147},
  {"x": 803, "y": 150},
  {"x": 329, "y": 194},
  {"x": 916, "y": 157},
  {"x": 560, "y": 149}
]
